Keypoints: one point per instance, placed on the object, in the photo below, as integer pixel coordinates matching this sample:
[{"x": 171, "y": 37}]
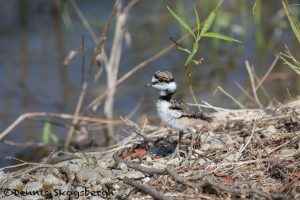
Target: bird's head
[{"x": 163, "y": 81}]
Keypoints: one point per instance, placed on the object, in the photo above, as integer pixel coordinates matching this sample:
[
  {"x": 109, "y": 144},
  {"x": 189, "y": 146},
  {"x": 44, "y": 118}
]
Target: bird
[{"x": 176, "y": 114}]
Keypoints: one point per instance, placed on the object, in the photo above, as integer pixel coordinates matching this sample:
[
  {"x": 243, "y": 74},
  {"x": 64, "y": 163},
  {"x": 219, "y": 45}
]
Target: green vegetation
[
  {"x": 201, "y": 31},
  {"x": 47, "y": 134},
  {"x": 287, "y": 57}
]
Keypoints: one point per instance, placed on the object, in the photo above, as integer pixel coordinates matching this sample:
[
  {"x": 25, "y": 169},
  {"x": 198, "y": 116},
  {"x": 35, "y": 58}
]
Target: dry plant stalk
[{"x": 113, "y": 64}]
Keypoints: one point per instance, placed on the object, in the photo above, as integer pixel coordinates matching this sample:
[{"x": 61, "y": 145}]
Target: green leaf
[
  {"x": 46, "y": 133},
  {"x": 193, "y": 53},
  {"x": 197, "y": 18},
  {"x": 208, "y": 23},
  {"x": 181, "y": 21},
  {"x": 293, "y": 67},
  {"x": 220, "y": 36},
  {"x": 184, "y": 49},
  {"x": 54, "y": 138}
]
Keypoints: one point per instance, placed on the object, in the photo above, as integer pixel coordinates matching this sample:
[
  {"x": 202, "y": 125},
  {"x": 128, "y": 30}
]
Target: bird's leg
[
  {"x": 193, "y": 133},
  {"x": 177, "y": 150}
]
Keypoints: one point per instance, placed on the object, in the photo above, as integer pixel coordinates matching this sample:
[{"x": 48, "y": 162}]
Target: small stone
[
  {"x": 147, "y": 179},
  {"x": 14, "y": 184},
  {"x": 204, "y": 161},
  {"x": 271, "y": 129},
  {"x": 217, "y": 144},
  {"x": 12, "y": 197},
  {"x": 103, "y": 171},
  {"x": 116, "y": 173},
  {"x": 159, "y": 165},
  {"x": 205, "y": 146},
  {"x": 33, "y": 197},
  {"x": 2, "y": 176},
  {"x": 148, "y": 159},
  {"x": 87, "y": 174},
  {"x": 102, "y": 164},
  {"x": 233, "y": 157},
  {"x": 51, "y": 180},
  {"x": 134, "y": 175},
  {"x": 123, "y": 167},
  {"x": 97, "y": 198},
  {"x": 71, "y": 168},
  {"x": 175, "y": 162},
  {"x": 33, "y": 186},
  {"x": 207, "y": 136},
  {"x": 105, "y": 180}
]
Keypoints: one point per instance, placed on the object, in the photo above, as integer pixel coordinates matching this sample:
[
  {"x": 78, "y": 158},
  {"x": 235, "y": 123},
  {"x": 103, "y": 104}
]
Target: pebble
[
  {"x": 14, "y": 183},
  {"x": 103, "y": 171},
  {"x": 102, "y": 165},
  {"x": 123, "y": 167},
  {"x": 12, "y": 197},
  {"x": 71, "y": 168},
  {"x": 87, "y": 174},
  {"x": 174, "y": 161},
  {"x": 159, "y": 165},
  {"x": 2, "y": 176},
  {"x": 204, "y": 161},
  {"x": 233, "y": 157},
  {"x": 51, "y": 180},
  {"x": 217, "y": 144},
  {"x": 33, "y": 186},
  {"x": 207, "y": 136},
  {"x": 271, "y": 129}
]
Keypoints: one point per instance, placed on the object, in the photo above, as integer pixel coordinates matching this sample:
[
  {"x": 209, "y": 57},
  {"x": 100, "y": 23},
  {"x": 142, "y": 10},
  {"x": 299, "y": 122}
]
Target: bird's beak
[{"x": 148, "y": 85}]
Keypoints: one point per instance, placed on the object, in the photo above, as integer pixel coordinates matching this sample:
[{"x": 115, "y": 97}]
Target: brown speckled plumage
[
  {"x": 188, "y": 112},
  {"x": 164, "y": 76}
]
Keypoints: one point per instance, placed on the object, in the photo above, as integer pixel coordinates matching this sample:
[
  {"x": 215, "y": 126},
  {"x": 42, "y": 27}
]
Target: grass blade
[
  {"x": 181, "y": 21},
  {"x": 46, "y": 133},
  {"x": 184, "y": 49},
  {"x": 197, "y": 18},
  {"x": 220, "y": 36},
  {"x": 208, "y": 23},
  {"x": 293, "y": 67}
]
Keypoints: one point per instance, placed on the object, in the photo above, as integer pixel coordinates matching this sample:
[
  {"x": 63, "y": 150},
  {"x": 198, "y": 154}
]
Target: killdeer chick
[{"x": 176, "y": 114}]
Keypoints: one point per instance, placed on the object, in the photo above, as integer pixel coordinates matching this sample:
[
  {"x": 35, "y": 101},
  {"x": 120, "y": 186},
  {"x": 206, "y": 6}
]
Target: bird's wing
[{"x": 188, "y": 112}]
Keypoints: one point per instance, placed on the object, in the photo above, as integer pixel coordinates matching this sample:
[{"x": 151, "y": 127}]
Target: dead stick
[
  {"x": 145, "y": 189},
  {"x": 54, "y": 115},
  {"x": 138, "y": 167}
]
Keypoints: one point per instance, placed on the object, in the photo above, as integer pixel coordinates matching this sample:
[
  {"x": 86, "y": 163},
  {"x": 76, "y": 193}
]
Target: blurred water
[{"x": 35, "y": 38}]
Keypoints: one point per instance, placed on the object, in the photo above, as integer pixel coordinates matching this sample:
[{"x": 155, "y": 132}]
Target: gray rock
[
  {"x": 51, "y": 180},
  {"x": 13, "y": 197},
  {"x": 204, "y": 161},
  {"x": 2, "y": 176},
  {"x": 102, "y": 165},
  {"x": 14, "y": 183},
  {"x": 271, "y": 129},
  {"x": 175, "y": 161},
  {"x": 135, "y": 174},
  {"x": 88, "y": 174},
  {"x": 105, "y": 180},
  {"x": 103, "y": 171},
  {"x": 71, "y": 168},
  {"x": 233, "y": 157},
  {"x": 33, "y": 186},
  {"x": 217, "y": 144},
  {"x": 123, "y": 167},
  {"x": 116, "y": 173},
  {"x": 207, "y": 136},
  {"x": 33, "y": 197}
]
